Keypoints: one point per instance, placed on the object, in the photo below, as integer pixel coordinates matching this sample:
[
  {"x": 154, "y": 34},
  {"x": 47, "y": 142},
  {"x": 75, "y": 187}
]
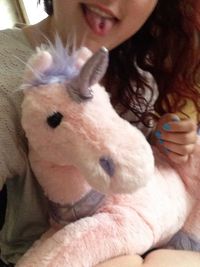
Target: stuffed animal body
[{"x": 109, "y": 192}]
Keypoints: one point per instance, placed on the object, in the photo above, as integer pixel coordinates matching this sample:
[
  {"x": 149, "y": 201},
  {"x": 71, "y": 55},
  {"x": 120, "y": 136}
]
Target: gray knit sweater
[{"x": 26, "y": 213}]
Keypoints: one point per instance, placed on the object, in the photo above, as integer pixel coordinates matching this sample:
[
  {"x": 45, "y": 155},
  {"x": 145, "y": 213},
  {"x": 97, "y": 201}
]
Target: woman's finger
[
  {"x": 177, "y": 138},
  {"x": 181, "y": 150},
  {"x": 176, "y": 158},
  {"x": 184, "y": 126}
]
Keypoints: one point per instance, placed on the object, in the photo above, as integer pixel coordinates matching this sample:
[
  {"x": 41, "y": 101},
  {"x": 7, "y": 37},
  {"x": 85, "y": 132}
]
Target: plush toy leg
[
  {"x": 190, "y": 172},
  {"x": 189, "y": 237},
  {"x": 192, "y": 227},
  {"x": 91, "y": 240},
  {"x": 126, "y": 224}
]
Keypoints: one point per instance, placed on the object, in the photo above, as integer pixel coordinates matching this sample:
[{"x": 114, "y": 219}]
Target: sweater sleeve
[
  {"x": 14, "y": 50},
  {"x": 12, "y": 145}
]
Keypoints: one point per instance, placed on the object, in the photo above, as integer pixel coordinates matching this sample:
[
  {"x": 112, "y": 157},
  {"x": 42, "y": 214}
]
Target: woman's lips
[{"x": 99, "y": 21}]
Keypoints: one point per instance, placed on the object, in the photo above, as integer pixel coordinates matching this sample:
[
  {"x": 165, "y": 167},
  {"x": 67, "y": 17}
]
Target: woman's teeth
[{"x": 100, "y": 12}]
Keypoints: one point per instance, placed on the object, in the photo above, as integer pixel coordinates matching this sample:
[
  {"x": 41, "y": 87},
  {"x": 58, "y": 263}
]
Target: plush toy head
[{"x": 69, "y": 120}]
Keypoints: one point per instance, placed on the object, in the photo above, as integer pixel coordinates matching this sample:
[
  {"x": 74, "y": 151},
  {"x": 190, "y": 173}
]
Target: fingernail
[
  {"x": 175, "y": 118},
  {"x": 166, "y": 150},
  {"x": 158, "y": 134},
  {"x": 166, "y": 127}
]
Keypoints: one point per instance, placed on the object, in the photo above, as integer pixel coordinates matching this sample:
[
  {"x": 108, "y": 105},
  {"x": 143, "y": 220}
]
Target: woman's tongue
[{"x": 99, "y": 24}]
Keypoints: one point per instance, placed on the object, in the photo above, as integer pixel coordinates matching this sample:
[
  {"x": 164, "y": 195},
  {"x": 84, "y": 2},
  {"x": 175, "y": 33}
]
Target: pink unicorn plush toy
[{"x": 97, "y": 171}]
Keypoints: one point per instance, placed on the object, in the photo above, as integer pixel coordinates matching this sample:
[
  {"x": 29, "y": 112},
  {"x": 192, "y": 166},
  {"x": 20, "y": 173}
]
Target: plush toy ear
[
  {"x": 82, "y": 55},
  {"x": 37, "y": 65}
]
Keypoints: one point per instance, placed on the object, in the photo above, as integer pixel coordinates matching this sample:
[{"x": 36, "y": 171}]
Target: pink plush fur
[{"x": 65, "y": 160}]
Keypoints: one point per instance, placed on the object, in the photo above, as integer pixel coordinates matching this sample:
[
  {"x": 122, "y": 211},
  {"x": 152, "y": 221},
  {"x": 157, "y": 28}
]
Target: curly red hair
[{"x": 167, "y": 46}]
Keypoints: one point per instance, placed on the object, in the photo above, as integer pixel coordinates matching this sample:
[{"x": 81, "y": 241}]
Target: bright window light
[
  {"x": 7, "y": 17},
  {"x": 32, "y": 11}
]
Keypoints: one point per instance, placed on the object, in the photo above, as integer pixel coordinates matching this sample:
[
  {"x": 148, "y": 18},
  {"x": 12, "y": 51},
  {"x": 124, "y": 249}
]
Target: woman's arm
[
  {"x": 172, "y": 258},
  {"x": 124, "y": 261},
  {"x": 157, "y": 258}
]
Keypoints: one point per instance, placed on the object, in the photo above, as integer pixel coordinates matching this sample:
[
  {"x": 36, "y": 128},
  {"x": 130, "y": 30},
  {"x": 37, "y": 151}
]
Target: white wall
[
  {"x": 33, "y": 12},
  {"x": 8, "y": 16}
]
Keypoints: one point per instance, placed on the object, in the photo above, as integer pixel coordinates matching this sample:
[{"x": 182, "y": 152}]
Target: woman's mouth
[{"x": 100, "y": 20}]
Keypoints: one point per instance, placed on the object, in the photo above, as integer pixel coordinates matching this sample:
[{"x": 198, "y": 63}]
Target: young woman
[{"x": 153, "y": 73}]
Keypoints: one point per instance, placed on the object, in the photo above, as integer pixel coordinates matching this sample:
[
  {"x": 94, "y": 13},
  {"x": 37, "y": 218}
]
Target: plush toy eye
[{"x": 55, "y": 119}]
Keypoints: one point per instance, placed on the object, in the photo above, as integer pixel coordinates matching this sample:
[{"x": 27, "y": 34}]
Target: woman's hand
[{"x": 174, "y": 137}]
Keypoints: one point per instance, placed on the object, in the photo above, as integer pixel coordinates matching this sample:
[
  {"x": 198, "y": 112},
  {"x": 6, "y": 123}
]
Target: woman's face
[{"x": 96, "y": 23}]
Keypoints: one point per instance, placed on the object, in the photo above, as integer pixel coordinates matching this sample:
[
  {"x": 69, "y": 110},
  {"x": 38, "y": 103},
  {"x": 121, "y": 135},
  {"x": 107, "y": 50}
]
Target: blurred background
[{"x": 16, "y": 13}]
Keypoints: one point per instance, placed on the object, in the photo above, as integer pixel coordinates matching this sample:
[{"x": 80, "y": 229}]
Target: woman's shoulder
[
  {"x": 14, "y": 53},
  {"x": 13, "y": 36}
]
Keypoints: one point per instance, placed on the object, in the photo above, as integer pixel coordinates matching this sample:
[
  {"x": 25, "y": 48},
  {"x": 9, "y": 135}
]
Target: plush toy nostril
[{"x": 108, "y": 165}]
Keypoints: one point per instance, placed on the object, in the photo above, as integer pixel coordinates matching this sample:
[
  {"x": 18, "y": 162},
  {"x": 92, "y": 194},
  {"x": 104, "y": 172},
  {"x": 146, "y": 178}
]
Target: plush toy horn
[{"x": 91, "y": 73}]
